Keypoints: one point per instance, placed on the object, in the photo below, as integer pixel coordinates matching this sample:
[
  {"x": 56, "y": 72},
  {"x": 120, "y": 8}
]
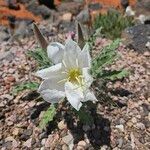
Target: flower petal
[
  {"x": 55, "y": 52},
  {"x": 84, "y": 57},
  {"x": 87, "y": 77},
  {"x": 52, "y": 96},
  {"x": 51, "y": 72},
  {"x": 72, "y": 50},
  {"x": 89, "y": 96},
  {"x": 74, "y": 95},
  {"x": 52, "y": 84}
]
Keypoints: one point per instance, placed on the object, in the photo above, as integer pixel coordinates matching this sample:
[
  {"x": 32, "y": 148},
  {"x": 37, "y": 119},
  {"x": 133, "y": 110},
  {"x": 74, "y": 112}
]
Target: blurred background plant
[{"x": 112, "y": 24}]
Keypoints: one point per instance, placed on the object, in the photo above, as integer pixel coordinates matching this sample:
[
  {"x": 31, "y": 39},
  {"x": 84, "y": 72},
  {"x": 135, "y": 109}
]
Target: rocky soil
[{"x": 122, "y": 127}]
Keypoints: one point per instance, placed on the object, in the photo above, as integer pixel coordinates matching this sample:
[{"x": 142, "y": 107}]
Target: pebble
[
  {"x": 15, "y": 131},
  {"x": 140, "y": 126},
  {"x": 65, "y": 147},
  {"x": 28, "y": 143},
  {"x": 67, "y": 17},
  {"x": 67, "y": 139},
  {"x": 43, "y": 141},
  {"x": 134, "y": 120},
  {"x": 120, "y": 127},
  {"x": 82, "y": 143},
  {"x": 62, "y": 125},
  {"x": 149, "y": 116},
  {"x": 86, "y": 128},
  {"x": 49, "y": 141},
  {"x": 104, "y": 147},
  {"x": 80, "y": 148}
]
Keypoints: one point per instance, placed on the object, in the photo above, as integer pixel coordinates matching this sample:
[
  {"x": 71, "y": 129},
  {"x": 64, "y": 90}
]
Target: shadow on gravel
[{"x": 98, "y": 134}]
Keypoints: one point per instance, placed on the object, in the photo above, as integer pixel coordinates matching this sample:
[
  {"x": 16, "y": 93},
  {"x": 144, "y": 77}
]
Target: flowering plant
[
  {"x": 68, "y": 73},
  {"x": 69, "y": 76}
]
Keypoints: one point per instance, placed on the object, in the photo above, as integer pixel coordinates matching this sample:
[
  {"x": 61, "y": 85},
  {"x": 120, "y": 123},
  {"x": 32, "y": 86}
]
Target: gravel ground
[{"x": 121, "y": 128}]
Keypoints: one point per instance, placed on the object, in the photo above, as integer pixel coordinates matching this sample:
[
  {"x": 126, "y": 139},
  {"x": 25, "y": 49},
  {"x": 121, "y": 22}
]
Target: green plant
[
  {"x": 41, "y": 57},
  {"x": 47, "y": 116},
  {"x": 112, "y": 24},
  {"x": 106, "y": 57},
  {"x": 24, "y": 86}
]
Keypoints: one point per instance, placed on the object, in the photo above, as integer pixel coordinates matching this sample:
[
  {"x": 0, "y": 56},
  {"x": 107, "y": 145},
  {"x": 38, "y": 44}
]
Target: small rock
[
  {"x": 134, "y": 120},
  {"x": 147, "y": 54},
  {"x": 9, "y": 79},
  {"x": 120, "y": 141},
  {"x": 86, "y": 128},
  {"x": 149, "y": 116},
  {"x": 68, "y": 139},
  {"x": 62, "y": 125},
  {"x": 67, "y": 17},
  {"x": 65, "y": 147},
  {"x": 148, "y": 45},
  {"x": 28, "y": 143},
  {"x": 140, "y": 126},
  {"x": 80, "y": 148},
  {"x": 49, "y": 141},
  {"x": 120, "y": 127},
  {"x": 15, "y": 143},
  {"x": 43, "y": 141},
  {"x": 16, "y": 131},
  {"x": 104, "y": 147},
  {"x": 82, "y": 143}
]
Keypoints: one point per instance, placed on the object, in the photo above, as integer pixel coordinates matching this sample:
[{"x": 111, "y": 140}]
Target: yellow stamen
[{"x": 74, "y": 75}]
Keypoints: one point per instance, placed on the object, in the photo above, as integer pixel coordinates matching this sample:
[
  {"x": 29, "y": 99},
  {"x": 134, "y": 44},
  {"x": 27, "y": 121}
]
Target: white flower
[
  {"x": 129, "y": 11},
  {"x": 69, "y": 77}
]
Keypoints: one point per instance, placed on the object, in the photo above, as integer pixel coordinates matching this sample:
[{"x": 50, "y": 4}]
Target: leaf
[
  {"x": 80, "y": 37},
  {"x": 42, "y": 41},
  {"x": 41, "y": 57},
  {"x": 24, "y": 86},
  {"x": 106, "y": 56},
  {"x": 112, "y": 23},
  {"x": 114, "y": 75},
  {"x": 47, "y": 116}
]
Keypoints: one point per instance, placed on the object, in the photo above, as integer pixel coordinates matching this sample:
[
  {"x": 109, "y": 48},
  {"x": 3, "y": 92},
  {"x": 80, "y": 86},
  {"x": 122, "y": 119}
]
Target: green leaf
[
  {"x": 106, "y": 57},
  {"x": 112, "y": 23},
  {"x": 41, "y": 57},
  {"x": 24, "y": 86},
  {"x": 114, "y": 75},
  {"x": 47, "y": 116}
]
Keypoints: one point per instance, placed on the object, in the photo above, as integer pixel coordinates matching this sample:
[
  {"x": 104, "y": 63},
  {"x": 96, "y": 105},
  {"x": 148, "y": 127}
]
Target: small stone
[
  {"x": 68, "y": 139},
  {"x": 134, "y": 120},
  {"x": 82, "y": 143},
  {"x": 49, "y": 141},
  {"x": 10, "y": 138},
  {"x": 9, "y": 79},
  {"x": 43, "y": 141},
  {"x": 86, "y": 128},
  {"x": 120, "y": 127},
  {"x": 2, "y": 104},
  {"x": 147, "y": 54},
  {"x": 149, "y": 116},
  {"x": 28, "y": 143},
  {"x": 104, "y": 147},
  {"x": 16, "y": 131},
  {"x": 130, "y": 124},
  {"x": 140, "y": 126},
  {"x": 10, "y": 123},
  {"x": 80, "y": 148},
  {"x": 120, "y": 141},
  {"x": 28, "y": 132},
  {"x": 15, "y": 143},
  {"x": 67, "y": 17},
  {"x": 65, "y": 147},
  {"x": 62, "y": 125}
]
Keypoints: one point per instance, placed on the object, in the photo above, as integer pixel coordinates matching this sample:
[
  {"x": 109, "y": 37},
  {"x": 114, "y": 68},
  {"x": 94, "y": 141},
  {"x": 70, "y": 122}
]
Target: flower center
[{"x": 74, "y": 75}]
